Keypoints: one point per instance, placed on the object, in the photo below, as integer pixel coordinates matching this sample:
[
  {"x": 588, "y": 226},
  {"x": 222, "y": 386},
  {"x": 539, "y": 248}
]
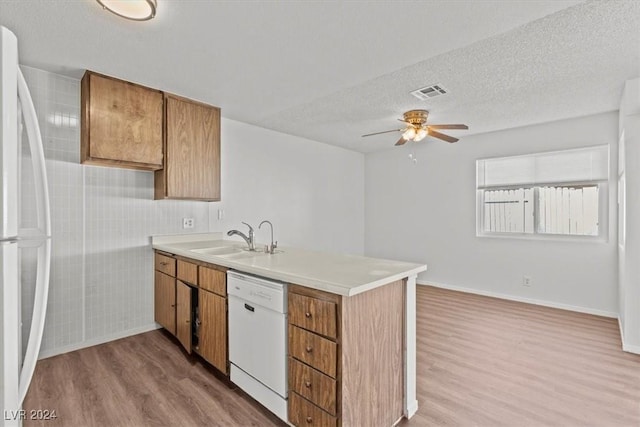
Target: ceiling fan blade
[
  {"x": 386, "y": 131},
  {"x": 448, "y": 126},
  {"x": 442, "y": 136},
  {"x": 401, "y": 141}
]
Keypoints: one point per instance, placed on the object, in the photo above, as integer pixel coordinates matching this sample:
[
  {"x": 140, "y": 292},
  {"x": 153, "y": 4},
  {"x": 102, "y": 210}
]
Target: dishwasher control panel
[{"x": 264, "y": 292}]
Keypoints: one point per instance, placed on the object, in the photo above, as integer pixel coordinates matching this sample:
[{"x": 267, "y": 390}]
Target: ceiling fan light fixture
[
  {"x": 409, "y": 134},
  {"x": 420, "y": 135},
  {"x": 135, "y": 10}
]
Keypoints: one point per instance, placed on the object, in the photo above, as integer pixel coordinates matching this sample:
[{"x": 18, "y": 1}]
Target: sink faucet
[
  {"x": 272, "y": 247},
  {"x": 250, "y": 240}
]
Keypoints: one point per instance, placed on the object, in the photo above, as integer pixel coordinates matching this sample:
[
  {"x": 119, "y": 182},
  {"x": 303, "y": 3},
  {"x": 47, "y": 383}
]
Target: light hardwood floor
[
  {"x": 481, "y": 362},
  {"x": 489, "y": 362}
]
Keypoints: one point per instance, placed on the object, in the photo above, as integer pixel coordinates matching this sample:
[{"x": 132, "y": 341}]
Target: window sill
[{"x": 545, "y": 237}]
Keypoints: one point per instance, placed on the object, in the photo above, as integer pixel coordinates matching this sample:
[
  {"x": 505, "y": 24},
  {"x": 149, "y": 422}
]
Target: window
[{"x": 557, "y": 193}]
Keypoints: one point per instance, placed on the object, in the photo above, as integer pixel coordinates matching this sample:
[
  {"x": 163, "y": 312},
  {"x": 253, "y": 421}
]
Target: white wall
[
  {"x": 101, "y": 283},
  {"x": 426, "y": 213},
  {"x": 102, "y": 270},
  {"x": 313, "y": 193},
  {"x": 629, "y": 268}
]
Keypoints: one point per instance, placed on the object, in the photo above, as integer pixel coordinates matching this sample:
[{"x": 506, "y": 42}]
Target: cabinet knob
[
  {"x": 307, "y": 315},
  {"x": 309, "y": 420},
  {"x": 173, "y": 305},
  {"x": 188, "y": 321},
  {"x": 309, "y": 349},
  {"x": 307, "y": 384}
]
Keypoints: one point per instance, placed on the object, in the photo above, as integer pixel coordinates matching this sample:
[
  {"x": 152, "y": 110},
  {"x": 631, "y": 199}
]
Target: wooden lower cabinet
[
  {"x": 184, "y": 330},
  {"x": 213, "y": 329},
  {"x": 346, "y": 362},
  {"x": 346, "y": 365},
  {"x": 186, "y": 306},
  {"x": 165, "y": 301}
]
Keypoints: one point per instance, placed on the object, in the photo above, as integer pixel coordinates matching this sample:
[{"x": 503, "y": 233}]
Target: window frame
[{"x": 603, "y": 213}]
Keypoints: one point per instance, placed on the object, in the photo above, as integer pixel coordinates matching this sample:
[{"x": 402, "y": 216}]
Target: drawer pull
[
  {"x": 309, "y": 349},
  {"x": 307, "y": 384},
  {"x": 309, "y": 420},
  {"x": 164, "y": 263},
  {"x": 307, "y": 315}
]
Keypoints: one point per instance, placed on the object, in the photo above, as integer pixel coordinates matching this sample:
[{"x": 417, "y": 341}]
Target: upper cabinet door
[
  {"x": 192, "y": 148},
  {"x": 121, "y": 123}
]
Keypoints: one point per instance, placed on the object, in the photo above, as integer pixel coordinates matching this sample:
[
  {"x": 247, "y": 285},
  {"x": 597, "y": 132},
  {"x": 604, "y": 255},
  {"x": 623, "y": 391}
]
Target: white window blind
[{"x": 588, "y": 164}]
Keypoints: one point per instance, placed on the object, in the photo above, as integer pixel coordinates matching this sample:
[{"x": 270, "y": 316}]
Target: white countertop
[{"x": 336, "y": 273}]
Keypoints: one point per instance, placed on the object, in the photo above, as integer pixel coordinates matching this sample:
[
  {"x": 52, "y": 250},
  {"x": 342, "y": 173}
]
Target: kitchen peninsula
[{"x": 351, "y": 324}]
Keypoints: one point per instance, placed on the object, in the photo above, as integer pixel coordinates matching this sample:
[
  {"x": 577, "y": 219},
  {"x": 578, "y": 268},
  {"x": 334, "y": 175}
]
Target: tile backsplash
[{"x": 102, "y": 264}]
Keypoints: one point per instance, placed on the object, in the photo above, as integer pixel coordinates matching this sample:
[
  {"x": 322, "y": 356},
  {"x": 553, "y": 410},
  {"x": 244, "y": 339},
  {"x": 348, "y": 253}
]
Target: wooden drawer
[
  {"x": 313, "y": 314},
  {"x": 304, "y": 413},
  {"x": 313, "y": 350},
  {"x": 313, "y": 385},
  {"x": 213, "y": 280},
  {"x": 165, "y": 264},
  {"x": 188, "y": 272}
]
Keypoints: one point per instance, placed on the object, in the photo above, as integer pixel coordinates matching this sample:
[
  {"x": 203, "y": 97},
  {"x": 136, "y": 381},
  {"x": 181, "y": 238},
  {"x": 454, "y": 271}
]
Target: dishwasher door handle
[{"x": 248, "y": 307}]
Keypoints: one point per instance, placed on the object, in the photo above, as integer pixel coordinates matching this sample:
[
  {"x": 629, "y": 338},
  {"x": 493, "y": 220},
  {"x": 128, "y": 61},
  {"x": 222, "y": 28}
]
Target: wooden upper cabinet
[
  {"x": 121, "y": 123},
  {"x": 192, "y": 151}
]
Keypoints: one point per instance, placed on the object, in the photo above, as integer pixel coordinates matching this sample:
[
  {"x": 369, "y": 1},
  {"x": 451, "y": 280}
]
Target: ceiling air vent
[{"x": 429, "y": 92}]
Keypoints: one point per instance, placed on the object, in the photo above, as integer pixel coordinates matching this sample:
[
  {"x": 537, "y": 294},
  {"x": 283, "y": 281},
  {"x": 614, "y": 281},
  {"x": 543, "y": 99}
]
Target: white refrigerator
[{"x": 17, "y": 114}]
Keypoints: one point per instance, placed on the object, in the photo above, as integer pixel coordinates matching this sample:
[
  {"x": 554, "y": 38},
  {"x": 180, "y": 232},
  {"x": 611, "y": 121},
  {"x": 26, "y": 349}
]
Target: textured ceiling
[
  {"x": 333, "y": 70},
  {"x": 569, "y": 64}
]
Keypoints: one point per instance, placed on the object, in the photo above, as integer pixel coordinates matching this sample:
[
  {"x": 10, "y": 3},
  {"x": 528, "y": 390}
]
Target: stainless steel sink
[
  {"x": 219, "y": 251},
  {"x": 243, "y": 254},
  {"x": 231, "y": 252}
]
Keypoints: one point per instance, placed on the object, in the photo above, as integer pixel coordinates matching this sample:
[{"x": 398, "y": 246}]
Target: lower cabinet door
[
  {"x": 183, "y": 315},
  {"x": 212, "y": 310},
  {"x": 165, "y": 301}
]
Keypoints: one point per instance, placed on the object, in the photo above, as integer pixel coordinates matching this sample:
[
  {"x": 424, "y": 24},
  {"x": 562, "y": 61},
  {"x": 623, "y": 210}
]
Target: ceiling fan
[{"x": 417, "y": 128}]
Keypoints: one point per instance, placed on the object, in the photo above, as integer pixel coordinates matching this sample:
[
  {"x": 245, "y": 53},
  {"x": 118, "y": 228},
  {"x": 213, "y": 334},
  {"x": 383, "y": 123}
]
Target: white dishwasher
[{"x": 257, "y": 339}]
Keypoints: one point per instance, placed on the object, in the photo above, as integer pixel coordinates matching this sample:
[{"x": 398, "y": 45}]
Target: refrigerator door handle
[
  {"x": 44, "y": 223},
  {"x": 37, "y": 156}
]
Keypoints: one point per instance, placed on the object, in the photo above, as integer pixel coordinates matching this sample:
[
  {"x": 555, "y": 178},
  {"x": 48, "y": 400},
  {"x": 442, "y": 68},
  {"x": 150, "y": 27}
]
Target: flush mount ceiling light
[{"x": 136, "y": 10}]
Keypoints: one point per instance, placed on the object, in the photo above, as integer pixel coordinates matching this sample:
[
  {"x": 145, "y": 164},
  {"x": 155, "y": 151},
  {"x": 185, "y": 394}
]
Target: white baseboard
[
  {"x": 412, "y": 409},
  {"x": 635, "y": 349},
  {"x": 627, "y": 347},
  {"x": 95, "y": 341},
  {"x": 544, "y": 303}
]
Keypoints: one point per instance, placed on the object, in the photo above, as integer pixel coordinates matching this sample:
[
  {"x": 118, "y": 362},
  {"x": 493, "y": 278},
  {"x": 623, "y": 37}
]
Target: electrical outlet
[
  {"x": 526, "y": 281},
  {"x": 187, "y": 222}
]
